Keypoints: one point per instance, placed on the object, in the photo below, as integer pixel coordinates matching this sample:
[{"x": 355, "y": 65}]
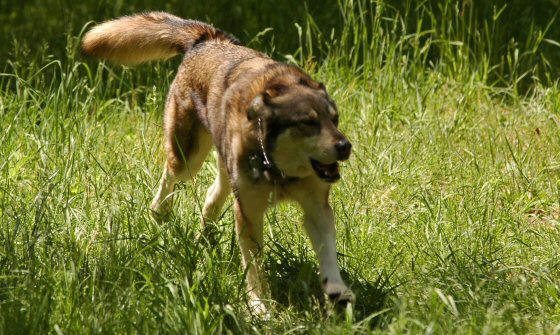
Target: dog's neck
[{"x": 262, "y": 165}]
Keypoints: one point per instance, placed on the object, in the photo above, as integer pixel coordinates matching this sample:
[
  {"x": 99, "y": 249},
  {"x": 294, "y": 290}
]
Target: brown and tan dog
[{"x": 275, "y": 130}]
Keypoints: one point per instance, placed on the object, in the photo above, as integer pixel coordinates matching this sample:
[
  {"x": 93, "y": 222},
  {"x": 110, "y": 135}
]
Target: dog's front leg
[
  {"x": 250, "y": 205},
  {"x": 319, "y": 224}
]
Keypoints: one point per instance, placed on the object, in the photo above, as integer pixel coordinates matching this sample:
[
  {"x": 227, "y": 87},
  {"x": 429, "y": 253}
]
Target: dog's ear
[
  {"x": 258, "y": 108},
  {"x": 312, "y": 84},
  {"x": 262, "y": 103},
  {"x": 273, "y": 91}
]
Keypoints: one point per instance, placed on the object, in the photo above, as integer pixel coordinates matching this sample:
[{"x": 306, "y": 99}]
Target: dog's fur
[{"x": 275, "y": 130}]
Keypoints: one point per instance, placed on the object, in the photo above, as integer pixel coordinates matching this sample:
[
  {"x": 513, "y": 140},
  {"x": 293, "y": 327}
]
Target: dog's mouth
[{"x": 327, "y": 172}]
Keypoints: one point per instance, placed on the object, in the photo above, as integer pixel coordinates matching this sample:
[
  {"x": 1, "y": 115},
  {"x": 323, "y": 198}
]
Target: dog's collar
[{"x": 262, "y": 166}]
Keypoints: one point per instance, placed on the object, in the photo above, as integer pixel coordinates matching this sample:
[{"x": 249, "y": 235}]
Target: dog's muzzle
[{"x": 330, "y": 172}]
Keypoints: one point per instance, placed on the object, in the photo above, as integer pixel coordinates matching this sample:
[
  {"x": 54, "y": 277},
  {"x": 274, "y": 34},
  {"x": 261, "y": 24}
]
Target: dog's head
[{"x": 301, "y": 129}]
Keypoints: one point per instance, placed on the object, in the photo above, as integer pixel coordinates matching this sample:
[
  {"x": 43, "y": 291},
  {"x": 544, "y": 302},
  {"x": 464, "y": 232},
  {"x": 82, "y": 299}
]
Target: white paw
[
  {"x": 159, "y": 212},
  {"x": 258, "y": 308},
  {"x": 339, "y": 293}
]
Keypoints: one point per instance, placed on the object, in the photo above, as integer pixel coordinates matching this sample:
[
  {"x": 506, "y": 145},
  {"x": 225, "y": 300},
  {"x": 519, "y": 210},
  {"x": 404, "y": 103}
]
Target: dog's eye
[
  {"x": 335, "y": 120},
  {"x": 310, "y": 122}
]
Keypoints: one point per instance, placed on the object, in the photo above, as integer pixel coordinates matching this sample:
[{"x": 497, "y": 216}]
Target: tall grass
[
  {"x": 458, "y": 40},
  {"x": 447, "y": 212}
]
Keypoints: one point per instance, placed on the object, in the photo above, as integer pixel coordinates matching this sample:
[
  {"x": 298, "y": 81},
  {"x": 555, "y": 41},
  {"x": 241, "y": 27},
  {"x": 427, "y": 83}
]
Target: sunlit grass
[{"x": 447, "y": 212}]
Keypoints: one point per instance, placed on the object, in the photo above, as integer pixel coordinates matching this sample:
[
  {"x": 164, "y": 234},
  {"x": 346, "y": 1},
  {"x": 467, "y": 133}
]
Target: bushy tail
[{"x": 141, "y": 38}]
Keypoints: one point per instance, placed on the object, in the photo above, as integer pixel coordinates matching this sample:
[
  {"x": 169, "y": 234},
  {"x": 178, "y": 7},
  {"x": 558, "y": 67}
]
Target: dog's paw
[
  {"x": 343, "y": 298},
  {"x": 209, "y": 233},
  {"x": 159, "y": 212},
  {"x": 258, "y": 308},
  {"x": 339, "y": 294}
]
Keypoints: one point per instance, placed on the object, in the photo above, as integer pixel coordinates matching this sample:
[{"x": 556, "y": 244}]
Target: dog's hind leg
[
  {"x": 177, "y": 169},
  {"x": 187, "y": 145},
  {"x": 162, "y": 203},
  {"x": 215, "y": 198}
]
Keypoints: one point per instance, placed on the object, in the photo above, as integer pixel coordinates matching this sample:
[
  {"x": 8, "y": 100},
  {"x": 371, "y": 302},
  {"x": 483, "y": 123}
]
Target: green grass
[{"x": 448, "y": 211}]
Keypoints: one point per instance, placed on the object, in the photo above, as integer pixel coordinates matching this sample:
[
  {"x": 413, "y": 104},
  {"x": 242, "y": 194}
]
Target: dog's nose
[{"x": 343, "y": 147}]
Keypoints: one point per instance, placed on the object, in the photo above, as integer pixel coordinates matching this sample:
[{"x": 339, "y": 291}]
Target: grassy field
[{"x": 447, "y": 213}]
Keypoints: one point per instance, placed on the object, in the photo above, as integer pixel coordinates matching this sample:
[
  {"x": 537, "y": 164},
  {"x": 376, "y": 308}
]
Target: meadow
[{"x": 447, "y": 213}]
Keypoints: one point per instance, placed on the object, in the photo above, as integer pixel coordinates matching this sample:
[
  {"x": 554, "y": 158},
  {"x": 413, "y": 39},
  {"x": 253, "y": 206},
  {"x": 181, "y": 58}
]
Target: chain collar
[{"x": 262, "y": 165}]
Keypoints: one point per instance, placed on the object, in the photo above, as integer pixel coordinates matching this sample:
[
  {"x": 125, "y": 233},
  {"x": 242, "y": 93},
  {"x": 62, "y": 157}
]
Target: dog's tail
[{"x": 141, "y": 38}]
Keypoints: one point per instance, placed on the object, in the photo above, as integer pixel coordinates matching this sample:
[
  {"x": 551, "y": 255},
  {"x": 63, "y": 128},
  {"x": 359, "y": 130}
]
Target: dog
[{"x": 275, "y": 130}]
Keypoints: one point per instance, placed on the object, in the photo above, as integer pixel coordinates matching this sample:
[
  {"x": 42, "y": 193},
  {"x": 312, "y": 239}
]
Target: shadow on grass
[
  {"x": 371, "y": 297},
  {"x": 295, "y": 282}
]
